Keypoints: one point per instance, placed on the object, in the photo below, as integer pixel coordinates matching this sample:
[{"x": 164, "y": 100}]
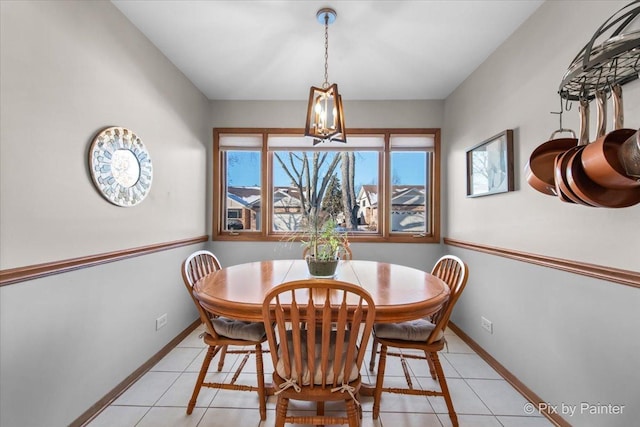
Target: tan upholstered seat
[
  {"x": 413, "y": 330},
  {"x": 221, "y": 332},
  {"x": 318, "y": 376},
  {"x": 426, "y": 335},
  {"x": 237, "y": 329},
  {"x": 322, "y": 362}
]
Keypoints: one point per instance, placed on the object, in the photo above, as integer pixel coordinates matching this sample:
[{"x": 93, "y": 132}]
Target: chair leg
[
  {"x": 281, "y": 411},
  {"x": 382, "y": 361},
  {"x": 352, "y": 413},
  {"x": 203, "y": 372},
  {"x": 445, "y": 389},
  {"x": 223, "y": 353},
  {"x": 261, "y": 391},
  {"x": 374, "y": 350},
  {"x": 405, "y": 370},
  {"x": 432, "y": 368}
]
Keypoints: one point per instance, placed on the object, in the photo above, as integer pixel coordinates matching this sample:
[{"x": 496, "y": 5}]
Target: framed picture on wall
[{"x": 490, "y": 166}]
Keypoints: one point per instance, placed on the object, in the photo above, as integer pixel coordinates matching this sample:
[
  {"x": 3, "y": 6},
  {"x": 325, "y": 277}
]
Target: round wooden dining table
[{"x": 400, "y": 293}]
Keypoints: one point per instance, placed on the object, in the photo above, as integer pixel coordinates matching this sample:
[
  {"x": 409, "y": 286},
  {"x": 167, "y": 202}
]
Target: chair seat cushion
[
  {"x": 413, "y": 330},
  {"x": 317, "y": 375},
  {"x": 237, "y": 329}
]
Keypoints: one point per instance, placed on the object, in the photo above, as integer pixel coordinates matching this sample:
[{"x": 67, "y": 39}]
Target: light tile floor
[{"x": 481, "y": 397}]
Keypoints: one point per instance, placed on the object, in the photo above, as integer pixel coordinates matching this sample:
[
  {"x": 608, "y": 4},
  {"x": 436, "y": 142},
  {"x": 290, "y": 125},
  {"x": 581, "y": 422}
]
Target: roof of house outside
[{"x": 404, "y": 197}]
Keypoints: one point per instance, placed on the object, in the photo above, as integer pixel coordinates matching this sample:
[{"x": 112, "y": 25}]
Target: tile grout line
[
  {"x": 202, "y": 349},
  {"x": 378, "y": 423}
]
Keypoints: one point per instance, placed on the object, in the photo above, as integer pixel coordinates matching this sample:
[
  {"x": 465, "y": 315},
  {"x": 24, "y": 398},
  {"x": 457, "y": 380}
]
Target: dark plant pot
[{"x": 322, "y": 269}]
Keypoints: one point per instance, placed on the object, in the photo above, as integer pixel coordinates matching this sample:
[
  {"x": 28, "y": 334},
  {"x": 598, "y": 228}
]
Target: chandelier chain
[
  {"x": 325, "y": 117},
  {"x": 326, "y": 51}
]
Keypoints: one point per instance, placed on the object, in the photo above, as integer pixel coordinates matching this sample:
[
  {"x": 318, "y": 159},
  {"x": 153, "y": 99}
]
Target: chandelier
[{"x": 325, "y": 116}]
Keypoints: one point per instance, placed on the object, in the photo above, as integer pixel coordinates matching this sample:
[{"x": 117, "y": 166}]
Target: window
[
  {"x": 242, "y": 182},
  {"x": 382, "y": 185},
  {"x": 410, "y": 184}
]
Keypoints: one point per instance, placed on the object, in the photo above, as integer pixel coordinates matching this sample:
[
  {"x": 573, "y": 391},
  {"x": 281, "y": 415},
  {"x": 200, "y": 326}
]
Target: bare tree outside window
[{"x": 313, "y": 175}]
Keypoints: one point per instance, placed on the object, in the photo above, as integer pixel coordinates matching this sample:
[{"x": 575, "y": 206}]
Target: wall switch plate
[
  {"x": 161, "y": 321},
  {"x": 486, "y": 324}
]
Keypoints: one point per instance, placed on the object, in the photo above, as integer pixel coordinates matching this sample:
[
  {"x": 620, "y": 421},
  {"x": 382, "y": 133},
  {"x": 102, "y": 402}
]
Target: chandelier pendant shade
[
  {"x": 325, "y": 119},
  {"x": 325, "y": 115}
]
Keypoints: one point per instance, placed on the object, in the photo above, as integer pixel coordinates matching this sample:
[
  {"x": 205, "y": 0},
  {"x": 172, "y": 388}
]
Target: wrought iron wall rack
[{"x": 616, "y": 61}]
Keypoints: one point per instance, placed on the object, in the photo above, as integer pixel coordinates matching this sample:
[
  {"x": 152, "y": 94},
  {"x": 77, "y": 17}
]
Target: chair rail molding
[
  {"x": 625, "y": 277},
  {"x": 23, "y": 274}
]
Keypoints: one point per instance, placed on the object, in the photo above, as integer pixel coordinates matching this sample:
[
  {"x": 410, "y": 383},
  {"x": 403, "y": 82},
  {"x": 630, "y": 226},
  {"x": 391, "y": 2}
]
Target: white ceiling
[{"x": 378, "y": 50}]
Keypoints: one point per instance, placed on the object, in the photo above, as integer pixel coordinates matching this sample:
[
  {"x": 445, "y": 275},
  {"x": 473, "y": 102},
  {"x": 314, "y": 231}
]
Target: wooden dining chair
[
  {"x": 426, "y": 335},
  {"x": 221, "y": 332},
  {"x": 198, "y": 265},
  {"x": 320, "y": 363}
]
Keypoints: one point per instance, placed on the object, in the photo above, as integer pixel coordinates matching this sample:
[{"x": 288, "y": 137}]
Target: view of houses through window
[
  {"x": 343, "y": 181},
  {"x": 309, "y": 182}
]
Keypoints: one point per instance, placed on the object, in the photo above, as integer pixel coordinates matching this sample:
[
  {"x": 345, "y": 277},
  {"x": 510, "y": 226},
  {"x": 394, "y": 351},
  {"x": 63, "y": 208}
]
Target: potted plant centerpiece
[{"x": 323, "y": 244}]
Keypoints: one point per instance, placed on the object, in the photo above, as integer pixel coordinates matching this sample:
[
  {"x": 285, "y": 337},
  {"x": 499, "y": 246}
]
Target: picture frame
[{"x": 490, "y": 166}]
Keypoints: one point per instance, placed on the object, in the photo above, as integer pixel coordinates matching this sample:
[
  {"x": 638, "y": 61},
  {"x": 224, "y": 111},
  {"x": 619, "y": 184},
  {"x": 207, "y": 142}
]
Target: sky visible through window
[{"x": 408, "y": 169}]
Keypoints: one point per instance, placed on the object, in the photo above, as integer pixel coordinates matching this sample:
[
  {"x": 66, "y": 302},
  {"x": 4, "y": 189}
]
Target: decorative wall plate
[{"x": 120, "y": 166}]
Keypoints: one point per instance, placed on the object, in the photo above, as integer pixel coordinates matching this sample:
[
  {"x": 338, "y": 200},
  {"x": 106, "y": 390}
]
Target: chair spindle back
[
  {"x": 454, "y": 272},
  {"x": 195, "y": 267},
  {"x": 328, "y": 318}
]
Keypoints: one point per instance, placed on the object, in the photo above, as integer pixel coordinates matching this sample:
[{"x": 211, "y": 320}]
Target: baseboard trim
[
  {"x": 103, "y": 403},
  {"x": 528, "y": 394}
]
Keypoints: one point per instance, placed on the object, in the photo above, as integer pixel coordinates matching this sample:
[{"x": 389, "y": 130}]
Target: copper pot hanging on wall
[
  {"x": 601, "y": 160},
  {"x": 539, "y": 170},
  {"x": 595, "y": 194},
  {"x": 563, "y": 189},
  {"x": 583, "y": 186}
]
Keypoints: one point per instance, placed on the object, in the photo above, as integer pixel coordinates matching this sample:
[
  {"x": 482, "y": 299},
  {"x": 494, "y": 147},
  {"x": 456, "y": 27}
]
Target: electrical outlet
[
  {"x": 486, "y": 324},
  {"x": 161, "y": 321}
]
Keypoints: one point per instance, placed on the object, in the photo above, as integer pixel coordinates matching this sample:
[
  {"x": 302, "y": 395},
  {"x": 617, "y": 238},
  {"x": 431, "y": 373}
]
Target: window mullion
[
  {"x": 267, "y": 191},
  {"x": 385, "y": 189}
]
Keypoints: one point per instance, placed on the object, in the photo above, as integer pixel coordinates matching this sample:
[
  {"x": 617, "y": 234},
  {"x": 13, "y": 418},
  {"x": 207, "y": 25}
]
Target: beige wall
[
  {"x": 68, "y": 69},
  {"x": 516, "y": 88},
  {"x": 565, "y": 336}
]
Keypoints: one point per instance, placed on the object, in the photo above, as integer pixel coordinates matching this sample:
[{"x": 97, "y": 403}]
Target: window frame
[{"x": 383, "y": 234}]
